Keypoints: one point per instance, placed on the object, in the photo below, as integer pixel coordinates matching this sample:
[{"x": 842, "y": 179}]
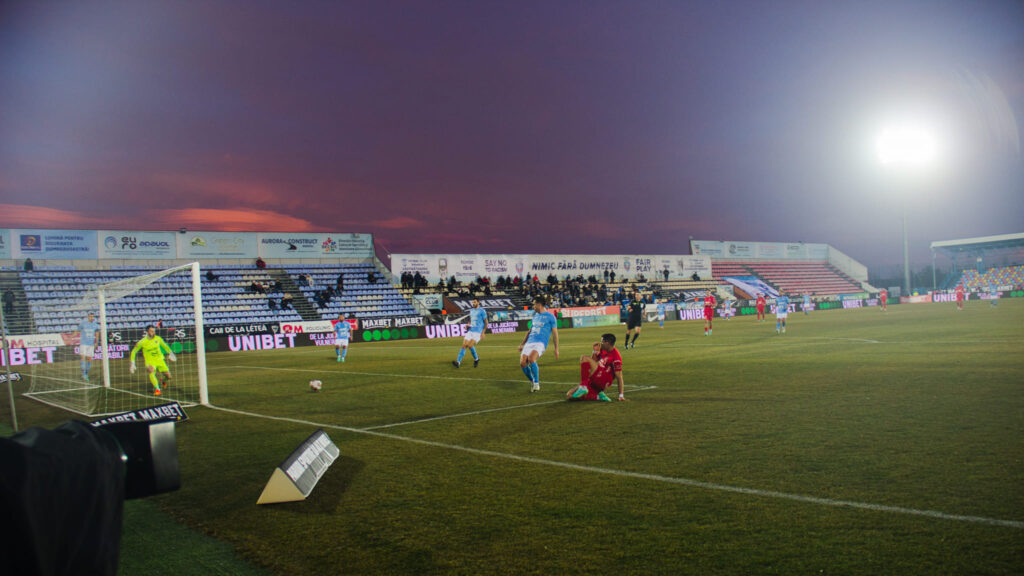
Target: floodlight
[{"x": 909, "y": 145}]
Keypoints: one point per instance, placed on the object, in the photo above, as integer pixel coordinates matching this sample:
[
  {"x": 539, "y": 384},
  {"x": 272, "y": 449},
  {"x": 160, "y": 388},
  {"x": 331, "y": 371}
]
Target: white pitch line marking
[
  {"x": 475, "y": 412},
  {"x": 422, "y": 376},
  {"x": 1019, "y": 525}
]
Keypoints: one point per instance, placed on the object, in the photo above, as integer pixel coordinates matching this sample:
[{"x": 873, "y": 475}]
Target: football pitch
[{"x": 859, "y": 442}]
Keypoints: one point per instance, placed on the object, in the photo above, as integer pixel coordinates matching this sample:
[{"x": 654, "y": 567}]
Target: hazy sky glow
[{"x": 514, "y": 127}]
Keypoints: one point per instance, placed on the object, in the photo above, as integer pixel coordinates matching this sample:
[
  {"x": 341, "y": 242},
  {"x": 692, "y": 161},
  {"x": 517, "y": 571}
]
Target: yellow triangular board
[{"x": 280, "y": 488}]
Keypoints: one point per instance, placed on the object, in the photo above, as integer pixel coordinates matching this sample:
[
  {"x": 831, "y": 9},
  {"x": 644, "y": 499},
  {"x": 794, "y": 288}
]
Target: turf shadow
[{"x": 327, "y": 495}]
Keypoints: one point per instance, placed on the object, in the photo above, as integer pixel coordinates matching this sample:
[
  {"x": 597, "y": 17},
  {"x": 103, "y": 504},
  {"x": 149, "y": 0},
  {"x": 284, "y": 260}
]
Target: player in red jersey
[
  {"x": 709, "y": 312},
  {"x": 883, "y": 298},
  {"x": 960, "y": 297},
  {"x": 761, "y": 303},
  {"x": 598, "y": 371}
]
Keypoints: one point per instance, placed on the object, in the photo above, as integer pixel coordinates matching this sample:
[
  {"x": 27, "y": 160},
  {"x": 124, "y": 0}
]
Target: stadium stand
[
  {"x": 818, "y": 278},
  {"x": 1004, "y": 276},
  {"x": 226, "y": 300},
  {"x": 359, "y": 298}
]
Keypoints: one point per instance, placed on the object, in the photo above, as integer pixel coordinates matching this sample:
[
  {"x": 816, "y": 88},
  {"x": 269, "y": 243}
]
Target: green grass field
[{"x": 921, "y": 409}]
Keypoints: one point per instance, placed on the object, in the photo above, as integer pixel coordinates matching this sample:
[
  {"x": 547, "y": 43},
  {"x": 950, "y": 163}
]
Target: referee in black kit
[{"x": 634, "y": 320}]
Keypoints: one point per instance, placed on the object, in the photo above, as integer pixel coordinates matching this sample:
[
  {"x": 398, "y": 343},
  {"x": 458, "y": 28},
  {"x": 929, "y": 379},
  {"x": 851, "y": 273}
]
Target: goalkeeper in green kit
[{"x": 153, "y": 348}]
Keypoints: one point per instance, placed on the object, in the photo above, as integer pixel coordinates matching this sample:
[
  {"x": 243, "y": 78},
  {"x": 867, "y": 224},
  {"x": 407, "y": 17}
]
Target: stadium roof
[{"x": 980, "y": 243}]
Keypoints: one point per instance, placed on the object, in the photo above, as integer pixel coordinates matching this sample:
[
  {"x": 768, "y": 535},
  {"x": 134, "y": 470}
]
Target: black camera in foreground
[{"x": 62, "y": 492}]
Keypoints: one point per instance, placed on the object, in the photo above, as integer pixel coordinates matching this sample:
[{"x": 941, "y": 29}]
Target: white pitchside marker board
[{"x": 296, "y": 477}]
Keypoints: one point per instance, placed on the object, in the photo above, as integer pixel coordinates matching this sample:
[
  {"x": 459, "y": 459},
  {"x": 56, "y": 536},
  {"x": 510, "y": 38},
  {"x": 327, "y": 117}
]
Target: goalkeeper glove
[
  {"x": 172, "y": 357},
  {"x": 131, "y": 367}
]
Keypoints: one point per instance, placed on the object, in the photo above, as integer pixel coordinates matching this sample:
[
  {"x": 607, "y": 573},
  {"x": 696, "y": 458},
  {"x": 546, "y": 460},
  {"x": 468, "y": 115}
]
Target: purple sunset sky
[{"x": 602, "y": 127}]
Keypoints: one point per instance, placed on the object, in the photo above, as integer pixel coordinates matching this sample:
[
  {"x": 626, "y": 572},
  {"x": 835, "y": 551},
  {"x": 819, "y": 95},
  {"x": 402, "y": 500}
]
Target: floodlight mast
[{"x": 908, "y": 148}]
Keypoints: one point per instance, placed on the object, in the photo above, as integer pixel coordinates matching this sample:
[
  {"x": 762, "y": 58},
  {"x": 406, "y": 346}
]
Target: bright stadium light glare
[{"x": 907, "y": 145}]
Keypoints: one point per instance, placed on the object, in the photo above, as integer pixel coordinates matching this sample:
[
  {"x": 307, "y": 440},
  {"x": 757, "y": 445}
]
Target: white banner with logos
[
  {"x": 5, "y": 244},
  {"x": 315, "y": 245},
  {"x": 467, "y": 267},
  {"x": 217, "y": 245},
  {"x": 430, "y": 301},
  {"x": 727, "y": 249},
  {"x": 54, "y": 244},
  {"x": 33, "y": 341},
  {"x": 307, "y": 327},
  {"x": 122, "y": 244}
]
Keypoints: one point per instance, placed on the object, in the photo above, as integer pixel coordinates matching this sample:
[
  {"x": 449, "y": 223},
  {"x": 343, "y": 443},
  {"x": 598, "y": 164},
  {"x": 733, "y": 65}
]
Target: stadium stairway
[
  {"x": 300, "y": 303},
  {"x": 21, "y": 321}
]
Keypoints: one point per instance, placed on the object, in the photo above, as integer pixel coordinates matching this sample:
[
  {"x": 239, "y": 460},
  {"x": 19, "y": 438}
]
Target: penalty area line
[
  {"x": 476, "y": 412},
  {"x": 1019, "y": 525}
]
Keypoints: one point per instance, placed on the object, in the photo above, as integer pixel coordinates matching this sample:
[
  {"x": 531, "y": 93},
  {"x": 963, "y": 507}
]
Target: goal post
[{"x": 86, "y": 367}]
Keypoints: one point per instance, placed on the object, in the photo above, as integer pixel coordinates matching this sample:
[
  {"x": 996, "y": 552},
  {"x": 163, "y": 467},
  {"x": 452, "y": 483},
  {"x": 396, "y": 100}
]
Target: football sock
[
  {"x": 462, "y": 354},
  {"x": 337, "y": 351},
  {"x": 528, "y": 372},
  {"x": 535, "y": 372},
  {"x": 152, "y": 378},
  {"x": 344, "y": 352},
  {"x": 584, "y": 372},
  {"x": 635, "y": 336},
  {"x": 473, "y": 352},
  {"x": 84, "y": 369}
]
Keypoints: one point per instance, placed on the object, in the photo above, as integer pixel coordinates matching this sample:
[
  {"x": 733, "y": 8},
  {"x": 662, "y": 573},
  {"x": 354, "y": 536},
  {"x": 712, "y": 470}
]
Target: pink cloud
[
  {"x": 398, "y": 223},
  {"x": 24, "y": 216},
  {"x": 231, "y": 220}
]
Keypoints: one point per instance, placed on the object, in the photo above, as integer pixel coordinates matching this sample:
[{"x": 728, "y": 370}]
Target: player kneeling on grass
[
  {"x": 598, "y": 371},
  {"x": 342, "y": 332},
  {"x": 153, "y": 348},
  {"x": 477, "y": 325},
  {"x": 542, "y": 328}
]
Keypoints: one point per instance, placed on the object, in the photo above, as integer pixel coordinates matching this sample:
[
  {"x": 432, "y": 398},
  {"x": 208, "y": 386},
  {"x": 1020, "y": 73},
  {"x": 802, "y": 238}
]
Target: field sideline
[{"x": 857, "y": 443}]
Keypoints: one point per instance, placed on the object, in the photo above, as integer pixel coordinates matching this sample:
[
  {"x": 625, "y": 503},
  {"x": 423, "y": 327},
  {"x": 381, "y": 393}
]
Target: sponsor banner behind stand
[
  {"x": 54, "y": 244},
  {"x": 319, "y": 245},
  {"x": 918, "y": 299},
  {"x": 430, "y": 301},
  {"x": 467, "y": 267},
  {"x": 5, "y": 244},
  {"x": 122, "y": 244},
  {"x": 313, "y": 326},
  {"x": 494, "y": 303},
  {"x": 217, "y": 245},
  {"x": 32, "y": 341},
  {"x": 586, "y": 311}
]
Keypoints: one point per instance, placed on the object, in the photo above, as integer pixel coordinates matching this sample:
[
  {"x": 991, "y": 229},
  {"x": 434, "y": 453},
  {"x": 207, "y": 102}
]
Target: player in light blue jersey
[
  {"x": 807, "y": 304},
  {"x": 88, "y": 332},
  {"x": 544, "y": 326},
  {"x": 661, "y": 314},
  {"x": 342, "y": 334},
  {"x": 781, "y": 313},
  {"x": 475, "y": 333},
  {"x": 993, "y": 295}
]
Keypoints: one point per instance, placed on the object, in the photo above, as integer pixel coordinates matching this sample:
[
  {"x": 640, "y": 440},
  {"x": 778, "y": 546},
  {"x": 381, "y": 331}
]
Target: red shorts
[
  {"x": 760, "y": 308},
  {"x": 599, "y": 382},
  {"x": 709, "y": 313}
]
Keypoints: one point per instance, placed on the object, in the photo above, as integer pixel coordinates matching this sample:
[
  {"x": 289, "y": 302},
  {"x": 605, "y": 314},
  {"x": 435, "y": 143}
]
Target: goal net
[{"x": 78, "y": 358}]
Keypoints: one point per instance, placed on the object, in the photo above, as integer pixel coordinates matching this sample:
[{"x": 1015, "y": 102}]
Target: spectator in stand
[
  {"x": 309, "y": 279},
  {"x": 487, "y": 291},
  {"x": 695, "y": 277},
  {"x": 210, "y": 276},
  {"x": 612, "y": 276},
  {"x": 606, "y": 275},
  {"x": 8, "y": 302},
  {"x": 272, "y": 304},
  {"x": 665, "y": 273},
  {"x": 341, "y": 282},
  {"x": 371, "y": 277},
  {"x": 277, "y": 287},
  {"x": 29, "y": 266},
  {"x": 286, "y": 302},
  {"x": 260, "y": 263}
]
